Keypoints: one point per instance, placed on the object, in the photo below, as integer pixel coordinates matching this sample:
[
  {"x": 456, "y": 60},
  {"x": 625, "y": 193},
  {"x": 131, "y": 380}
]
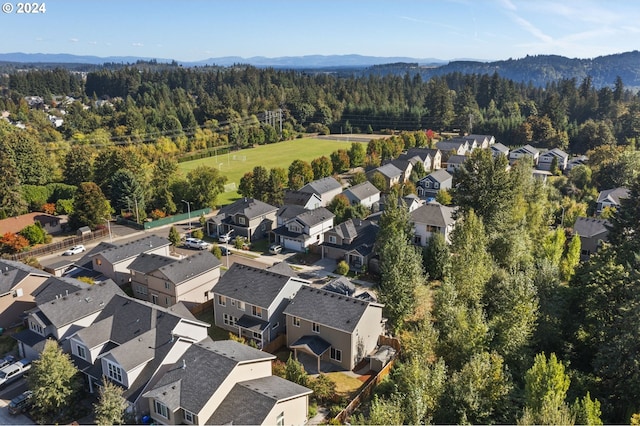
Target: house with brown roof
[{"x": 50, "y": 223}]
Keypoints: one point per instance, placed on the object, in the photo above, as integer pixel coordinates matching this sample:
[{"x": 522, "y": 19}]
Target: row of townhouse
[{"x": 168, "y": 367}]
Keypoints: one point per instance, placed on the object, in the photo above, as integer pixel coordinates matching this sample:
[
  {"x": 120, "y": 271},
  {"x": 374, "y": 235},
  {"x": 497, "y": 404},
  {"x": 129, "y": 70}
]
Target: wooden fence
[
  {"x": 60, "y": 245},
  {"x": 370, "y": 385}
]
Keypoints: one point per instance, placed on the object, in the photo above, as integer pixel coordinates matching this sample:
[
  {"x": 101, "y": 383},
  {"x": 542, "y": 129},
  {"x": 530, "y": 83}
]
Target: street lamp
[
  {"x": 227, "y": 245},
  {"x": 189, "y": 212},
  {"x": 109, "y": 228}
]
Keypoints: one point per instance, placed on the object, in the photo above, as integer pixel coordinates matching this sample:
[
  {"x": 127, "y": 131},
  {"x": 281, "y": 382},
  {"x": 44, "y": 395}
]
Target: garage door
[{"x": 292, "y": 245}]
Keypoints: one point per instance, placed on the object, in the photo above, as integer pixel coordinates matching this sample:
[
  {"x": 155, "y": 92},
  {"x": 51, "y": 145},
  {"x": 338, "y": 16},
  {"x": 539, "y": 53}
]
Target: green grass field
[{"x": 279, "y": 154}]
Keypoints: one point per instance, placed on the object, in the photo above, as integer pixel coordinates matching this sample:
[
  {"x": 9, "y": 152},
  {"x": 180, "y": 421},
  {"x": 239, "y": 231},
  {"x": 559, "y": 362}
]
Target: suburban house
[
  {"x": 326, "y": 188},
  {"x": 454, "y": 162},
  {"x": 18, "y": 283},
  {"x": 391, "y": 174},
  {"x": 50, "y": 223},
  {"x": 113, "y": 262},
  {"x": 406, "y": 166},
  {"x": 431, "y": 158},
  {"x": 453, "y": 147},
  {"x": 331, "y": 327},
  {"x": 129, "y": 342},
  {"x": 592, "y": 233},
  {"x": 611, "y": 198},
  {"x": 352, "y": 241},
  {"x": 59, "y": 316},
  {"x": 308, "y": 200},
  {"x": 432, "y": 218},
  {"x": 246, "y": 217},
  {"x": 499, "y": 149},
  {"x": 411, "y": 202},
  {"x": 524, "y": 151},
  {"x": 363, "y": 193},
  {"x": 429, "y": 186},
  {"x": 166, "y": 281},
  {"x": 546, "y": 159},
  {"x": 225, "y": 382},
  {"x": 249, "y": 301},
  {"x": 580, "y": 160},
  {"x": 479, "y": 141},
  {"x": 304, "y": 230}
]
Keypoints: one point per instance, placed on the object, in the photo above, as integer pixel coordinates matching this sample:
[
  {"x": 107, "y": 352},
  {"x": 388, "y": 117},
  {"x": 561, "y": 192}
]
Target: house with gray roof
[
  {"x": 454, "y": 162},
  {"x": 64, "y": 314},
  {"x": 246, "y": 217},
  {"x": 332, "y": 327},
  {"x": 18, "y": 282},
  {"x": 304, "y": 231},
  {"x": 114, "y": 260},
  {"x": 430, "y": 185},
  {"x": 593, "y": 232},
  {"x": 129, "y": 342},
  {"x": 453, "y": 147},
  {"x": 546, "y": 159},
  {"x": 432, "y": 218},
  {"x": 307, "y": 200},
  {"x": 579, "y": 160},
  {"x": 363, "y": 193},
  {"x": 524, "y": 151},
  {"x": 611, "y": 198},
  {"x": 166, "y": 281},
  {"x": 499, "y": 149},
  {"x": 430, "y": 158},
  {"x": 391, "y": 174},
  {"x": 206, "y": 383},
  {"x": 249, "y": 301},
  {"x": 326, "y": 188},
  {"x": 406, "y": 166},
  {"x": 352, "y": 241},
  {"x": 479, "y": 141}
]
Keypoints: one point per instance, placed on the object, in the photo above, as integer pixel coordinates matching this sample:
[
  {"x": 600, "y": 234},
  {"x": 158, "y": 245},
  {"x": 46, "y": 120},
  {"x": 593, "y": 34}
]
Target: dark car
[{"x": 21, "y": 403}]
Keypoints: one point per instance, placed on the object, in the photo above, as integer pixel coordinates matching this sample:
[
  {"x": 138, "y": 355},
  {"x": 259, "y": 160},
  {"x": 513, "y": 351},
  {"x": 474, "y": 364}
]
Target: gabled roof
[
  {"x": 289, "y": 211},
  {"x": 613, "y": 195},
  {"x": 451, "y": 145},
  {"x": 389, "y": 170},
  {"x": 341, "y": 285},
  {"x": 176, "y": 270},
  {"x": 363, "y": 190},
  {"x": 134, "y": 248},
  {"x": 12, "y": 273},
  {"x": 252, "y": 285},
  {"x": 527, "y": 150},
  {"x": 555, "y": 152},
  {"x": 79, "y": 304},
  {"x": 298, "y": 198},
  {"x": 264, "y": 393},
  {"x": 283, "y": 268},
  {"x": 362, "y": 234},
  {"x": 17, "y": 223},
  {"x": 196, "y": 376},
  {"x": 57, "y": 287},
  {"x": 322, "y": 186},
  {"x": 327, "y": 308},
  {"x": 249, "y": 207},
  {"x": 499, "y": 148},
  {"x": 589, "y": 227},
  {"x": 440, "y": 176},
  {"x": 313, "y": 217},
  {"x": 456, "y": 159},
  {"x": 434, "y": 214},
  {"x": 401, "y": 164}
]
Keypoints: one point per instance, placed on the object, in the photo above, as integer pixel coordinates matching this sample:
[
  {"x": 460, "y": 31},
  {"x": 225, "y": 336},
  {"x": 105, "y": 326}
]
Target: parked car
[
  {"x": 275, "y": 248},
  {"x": 74, "y": 250},
  {"x": 7, "y": 360},
  {"x": 21, "y": 402},
  {"x": 225, "y": 251},
  {"x": 14, "y": 371},
  {"x": 196, "y": 243},
  {"x": 225, "y": 238}
]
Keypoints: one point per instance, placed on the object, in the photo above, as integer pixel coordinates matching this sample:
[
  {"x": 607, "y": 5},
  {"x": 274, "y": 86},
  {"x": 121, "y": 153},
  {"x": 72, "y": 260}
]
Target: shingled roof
[
  {"x": 322, "y": 186},
  {"x": 176, "y": 270},
  {"x": 134, "y": 248}
]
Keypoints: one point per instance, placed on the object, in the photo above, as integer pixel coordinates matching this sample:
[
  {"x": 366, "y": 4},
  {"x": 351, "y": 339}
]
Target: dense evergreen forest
[{"x": 504, "y": 325}]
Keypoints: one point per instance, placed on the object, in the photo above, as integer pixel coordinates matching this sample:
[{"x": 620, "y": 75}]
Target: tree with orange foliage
[{"x": 13, "y": 243}]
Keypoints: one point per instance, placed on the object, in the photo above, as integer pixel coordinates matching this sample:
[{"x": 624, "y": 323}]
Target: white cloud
[
  {"x": 74, "y": 40},
  {"x": 137, "y": 44}
]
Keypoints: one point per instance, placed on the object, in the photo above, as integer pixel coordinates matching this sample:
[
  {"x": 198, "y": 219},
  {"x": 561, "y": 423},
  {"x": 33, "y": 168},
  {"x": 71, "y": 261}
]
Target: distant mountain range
[{"x": 538, "y": 70}]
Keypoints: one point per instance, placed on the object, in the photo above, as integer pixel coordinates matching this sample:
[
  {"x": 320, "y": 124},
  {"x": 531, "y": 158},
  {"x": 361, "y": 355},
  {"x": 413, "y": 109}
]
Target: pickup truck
[{"x": 14, "y": 371}]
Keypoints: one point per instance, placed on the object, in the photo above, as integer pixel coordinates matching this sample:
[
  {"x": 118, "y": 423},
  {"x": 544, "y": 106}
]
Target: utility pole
[{"x": 189, "y": 213}]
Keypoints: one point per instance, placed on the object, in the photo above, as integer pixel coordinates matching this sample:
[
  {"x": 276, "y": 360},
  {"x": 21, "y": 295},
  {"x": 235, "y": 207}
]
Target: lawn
[
  {"x": 235, "y": 164},
  {"x": 346, "y": 386}
]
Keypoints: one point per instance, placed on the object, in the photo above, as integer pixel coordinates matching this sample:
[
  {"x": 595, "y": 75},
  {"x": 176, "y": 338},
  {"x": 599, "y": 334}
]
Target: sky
[{"x": 193, "y": 30}]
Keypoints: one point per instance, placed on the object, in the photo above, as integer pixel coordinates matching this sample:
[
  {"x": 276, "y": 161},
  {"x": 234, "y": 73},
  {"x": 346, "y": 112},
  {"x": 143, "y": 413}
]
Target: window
[
  {"x": 114, "y": 372},
  {"x": 257, "y": 335},
  {"x": 167, "y": 285},
  {"x": 336, "y": 354},
  {"x": 280, "y": 419},
  {"x": 296, "y": 321},
  {"x": 141, "y": 289},
  {"x": 98, "y": 262},
  {"x": 206, "y": 295},
  {"x": 189, "y": 416},
  {"x": 80, "y": 351},
  {"x": 222, "y": 301},
  {"x": 241, "y": 220},
  {"x": 315, "y": 327},
  {"x": 229, "y": 320},
  {"x": 240, "y": 305},
  {"x": 417, "y": 239},
  {"x": 332, "y": 239},
  {"x": 167, "y": 301},
  {"x": 161, "y": 409},
  {"x": 256, "y": 311},
  {"x": 436, "y": 185},
  {"x": 37, "y": 328},
  {"x": 427, "y": 184}
]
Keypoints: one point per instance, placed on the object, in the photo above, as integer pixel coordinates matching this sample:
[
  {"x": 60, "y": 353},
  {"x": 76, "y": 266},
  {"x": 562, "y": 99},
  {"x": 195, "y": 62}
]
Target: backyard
[{"x": 235, "y": 164}]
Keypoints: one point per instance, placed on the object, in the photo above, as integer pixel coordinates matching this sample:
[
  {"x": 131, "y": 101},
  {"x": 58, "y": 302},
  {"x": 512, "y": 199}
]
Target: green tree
[
  {"x": 322, "y": 167},
  {"x": 294, "y": 372},
  {"x": 126, "y": 192},
  {"x": 342, "y": 268},
  {"x": 54, "y": 381},
  {"x": 357, "y": 154},
  {"x": 31, "y": 161},
  {"x": 174, "y": 237},
  {"x": 276, "y": 186},
  {"x": 34, "y": 233},
  {"x": 90, "y": 207},
  {"x": 587, "y": 411},
  {"x": 111, "y": 405},
  {"x": 205, "y": 183},
  {"x": 386, "y": 411},
  {"x": 358, "y": 177},
  {"x": 571, "y": 258},
  {"x": 324, "y": 389},
  {"x": 340, "y": 207},
  {"x": 553, "y": 246},
  {"x": 377, "y": 180},
  {"x": 300, "y": 173},
  {"x": 12, "y": 202},
  {"x": 545, "y": 391},
  {"x": 340, "y": 160},
  {"x": 78, "y": 165},
  {"x": 421, "y": 387},
  {"x": 436, "y": 257}
]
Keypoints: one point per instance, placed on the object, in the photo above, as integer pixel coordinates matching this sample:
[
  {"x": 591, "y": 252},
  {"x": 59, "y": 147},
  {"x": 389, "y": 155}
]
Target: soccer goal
[{"x": 230, "y": 187}]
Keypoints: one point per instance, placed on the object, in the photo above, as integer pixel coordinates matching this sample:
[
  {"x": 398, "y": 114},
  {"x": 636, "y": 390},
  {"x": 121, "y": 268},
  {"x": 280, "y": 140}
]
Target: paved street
[{"x": 6, "y": 394}]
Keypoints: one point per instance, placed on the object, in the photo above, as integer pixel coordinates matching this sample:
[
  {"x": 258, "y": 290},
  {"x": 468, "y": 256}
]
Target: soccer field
[{"x": 235, "y": 164}]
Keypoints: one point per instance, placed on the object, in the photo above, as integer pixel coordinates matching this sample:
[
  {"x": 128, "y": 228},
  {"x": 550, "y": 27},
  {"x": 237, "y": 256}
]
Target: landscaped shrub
[{"x": 342, "y": 268}]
